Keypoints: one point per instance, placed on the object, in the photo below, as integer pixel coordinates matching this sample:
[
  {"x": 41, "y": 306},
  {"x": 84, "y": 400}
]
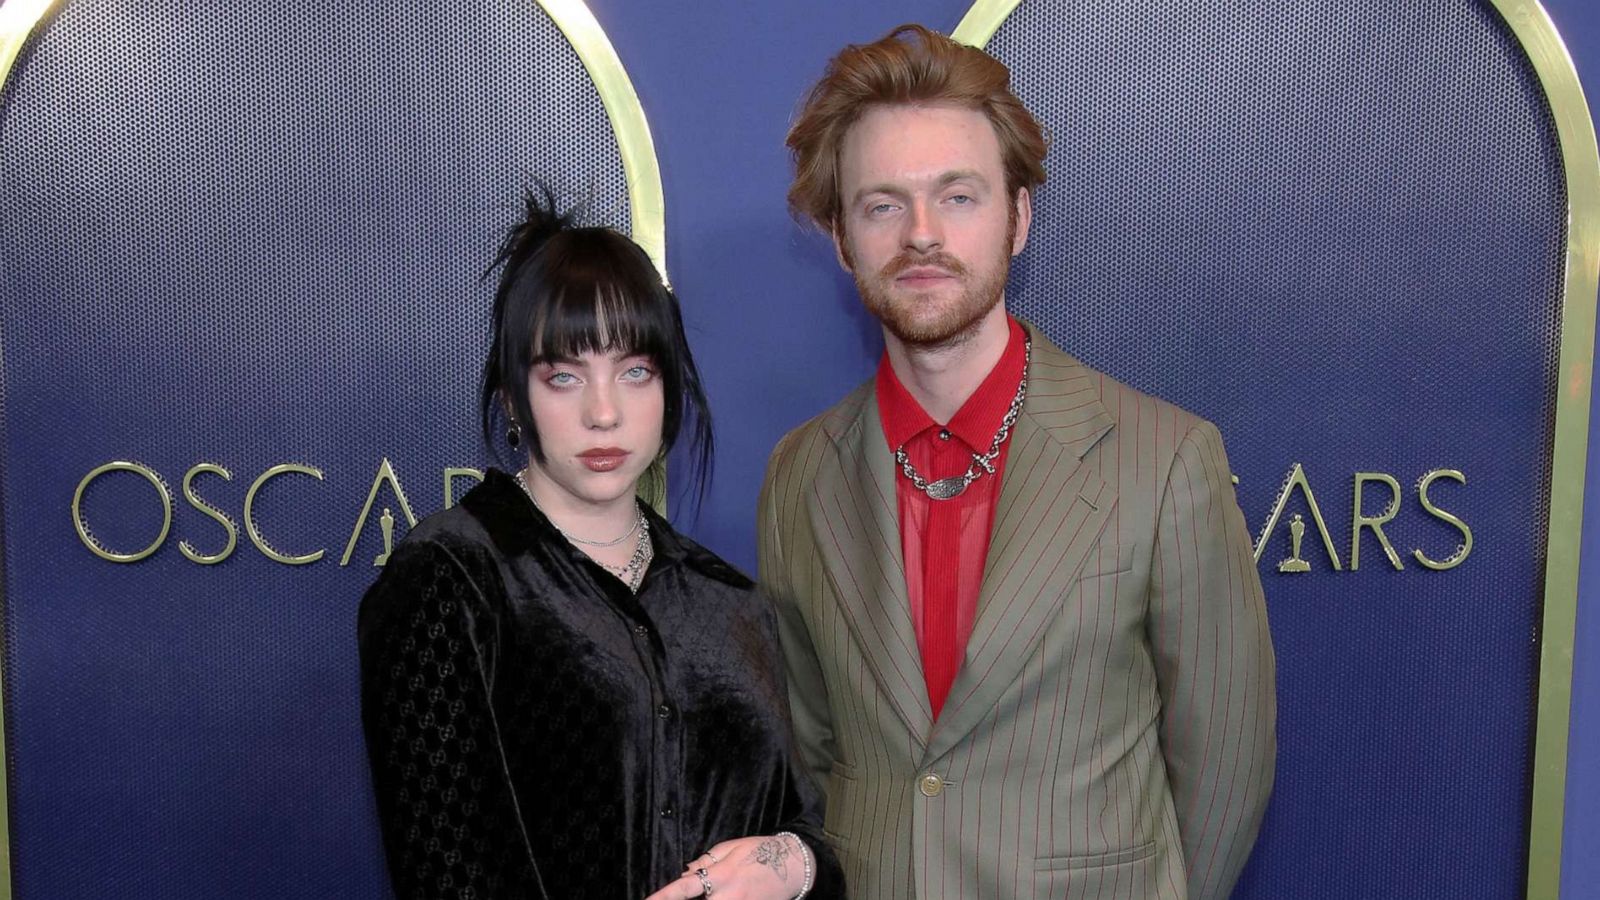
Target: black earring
[{"x": 514, "y": 436}]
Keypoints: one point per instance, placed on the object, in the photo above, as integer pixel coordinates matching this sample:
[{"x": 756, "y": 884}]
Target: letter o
[{"x": 82, "y": 527}]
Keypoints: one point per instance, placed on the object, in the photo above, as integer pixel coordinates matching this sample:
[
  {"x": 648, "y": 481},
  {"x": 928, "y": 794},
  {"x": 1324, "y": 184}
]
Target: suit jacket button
[{"x": 930, "y": 785}]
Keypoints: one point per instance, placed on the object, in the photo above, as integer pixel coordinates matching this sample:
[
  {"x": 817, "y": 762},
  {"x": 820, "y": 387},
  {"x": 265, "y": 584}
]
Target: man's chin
[
  {"x": 932, "y": 329},
  {"x": 929, "y": 335}
]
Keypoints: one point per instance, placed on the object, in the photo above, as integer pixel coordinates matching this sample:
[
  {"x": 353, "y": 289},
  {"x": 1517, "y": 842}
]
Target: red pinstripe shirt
[{"x": 945, "y": 543}]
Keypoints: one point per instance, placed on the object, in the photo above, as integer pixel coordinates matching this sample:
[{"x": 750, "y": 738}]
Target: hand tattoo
[{"x": 774, "y": 854}]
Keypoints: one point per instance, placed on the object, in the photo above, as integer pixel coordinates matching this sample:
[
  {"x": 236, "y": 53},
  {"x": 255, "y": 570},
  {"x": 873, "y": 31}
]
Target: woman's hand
[{"x": 770, "y": 867}]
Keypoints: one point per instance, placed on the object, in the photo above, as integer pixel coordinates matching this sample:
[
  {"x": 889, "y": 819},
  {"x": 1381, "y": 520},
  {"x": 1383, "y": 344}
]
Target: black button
[
  {"x": 663, "y": 711},
  {"x": 641, "y": 631},
  {"x": 944, "y": 434},
  {"x": 666, "y": 812}
]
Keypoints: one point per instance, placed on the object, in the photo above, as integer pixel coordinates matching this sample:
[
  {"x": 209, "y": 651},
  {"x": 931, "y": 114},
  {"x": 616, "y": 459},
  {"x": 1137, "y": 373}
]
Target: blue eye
[
  {"x": 961, "y": 199},
  {"x": 562, "y": 379},
  {"x": 638, "y": 373}
]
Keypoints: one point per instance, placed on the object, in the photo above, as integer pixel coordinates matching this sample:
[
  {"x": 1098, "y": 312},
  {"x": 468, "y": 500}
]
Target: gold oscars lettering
[
  {"x": 1299, "y": 550},
  {"x": 253, "y": 517},
  {"x": 1362, "y": 521}
]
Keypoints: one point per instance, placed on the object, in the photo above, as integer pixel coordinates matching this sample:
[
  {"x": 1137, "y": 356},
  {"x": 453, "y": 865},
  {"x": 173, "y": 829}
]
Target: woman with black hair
[{"x": 562, "y": 696}]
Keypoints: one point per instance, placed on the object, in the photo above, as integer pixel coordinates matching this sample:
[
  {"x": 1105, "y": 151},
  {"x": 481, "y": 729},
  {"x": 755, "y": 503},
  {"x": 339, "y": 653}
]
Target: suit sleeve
[
  {"x": 802, "y": 806},
  {"x": 1214, "y": 665},
  {"x": 808, "y": 692},
  {"x": 445, "y": 802}
]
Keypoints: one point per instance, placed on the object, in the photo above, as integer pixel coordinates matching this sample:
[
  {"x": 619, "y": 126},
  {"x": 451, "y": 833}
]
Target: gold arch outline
[
  {"x": 17, "y": 19},
  {"x": 646, "y": 200},
  {"x": 1553, "y": 66},
  {"x": 646, "y": 207}
]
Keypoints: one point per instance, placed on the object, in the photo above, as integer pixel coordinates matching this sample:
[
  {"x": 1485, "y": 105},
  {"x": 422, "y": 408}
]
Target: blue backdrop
[
  {"x": 1579, "y": 23},
  {"x": 702, "y": 105},
  {"x": 726, "y": 99},
  {"x": 765, "y": 303}
]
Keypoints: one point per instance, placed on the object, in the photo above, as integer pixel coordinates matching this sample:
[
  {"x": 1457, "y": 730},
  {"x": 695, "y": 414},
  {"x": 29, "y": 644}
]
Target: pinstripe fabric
[{"x": 1111, "y": 731}]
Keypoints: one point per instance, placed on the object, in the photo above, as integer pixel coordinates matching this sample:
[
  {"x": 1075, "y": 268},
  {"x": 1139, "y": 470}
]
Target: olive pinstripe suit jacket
[{"x": 1110, "y": 733}]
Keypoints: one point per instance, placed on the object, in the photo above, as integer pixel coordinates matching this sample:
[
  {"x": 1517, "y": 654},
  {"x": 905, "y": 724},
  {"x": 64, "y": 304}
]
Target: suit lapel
[
  {"x": 1051, "y": 512},
  {"x": 855, "y": 520}
]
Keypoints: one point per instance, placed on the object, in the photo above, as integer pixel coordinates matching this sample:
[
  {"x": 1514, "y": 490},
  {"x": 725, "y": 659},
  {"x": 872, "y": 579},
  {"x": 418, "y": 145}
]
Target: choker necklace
[
  {"x": 631, "y": 573},
  {"x": 952, "y": 487},
  {"x": 522, "y": 479}
]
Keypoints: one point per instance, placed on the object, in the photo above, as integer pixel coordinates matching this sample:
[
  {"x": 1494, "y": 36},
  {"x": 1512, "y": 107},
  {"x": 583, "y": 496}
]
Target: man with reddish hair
[{"x": 1027, "y": 645}]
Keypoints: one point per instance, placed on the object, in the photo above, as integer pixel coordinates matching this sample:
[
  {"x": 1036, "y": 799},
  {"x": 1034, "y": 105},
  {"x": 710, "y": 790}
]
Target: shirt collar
[
  {"x": 500, "y": 498},
  {"x": 976, "y": 422}
]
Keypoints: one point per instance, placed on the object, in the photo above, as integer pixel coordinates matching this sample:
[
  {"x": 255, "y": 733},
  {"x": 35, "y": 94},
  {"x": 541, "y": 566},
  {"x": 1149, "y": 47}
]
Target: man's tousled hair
[{"x": 910, "y": 65}]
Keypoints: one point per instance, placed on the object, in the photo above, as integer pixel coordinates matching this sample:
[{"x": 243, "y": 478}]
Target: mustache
[{"x": 907, "y": 261}]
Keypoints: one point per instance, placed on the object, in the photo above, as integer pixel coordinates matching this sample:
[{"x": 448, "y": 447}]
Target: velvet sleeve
[{"x": 447, "y": 810}]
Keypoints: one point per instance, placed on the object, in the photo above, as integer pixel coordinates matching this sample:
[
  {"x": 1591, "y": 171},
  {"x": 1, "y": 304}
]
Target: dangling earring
[{"x": 514, "y": 435}]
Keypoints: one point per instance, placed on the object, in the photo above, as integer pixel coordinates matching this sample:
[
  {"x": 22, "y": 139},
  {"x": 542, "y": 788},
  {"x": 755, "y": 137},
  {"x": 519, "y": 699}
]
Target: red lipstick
[{"x": 603, "y": 459}]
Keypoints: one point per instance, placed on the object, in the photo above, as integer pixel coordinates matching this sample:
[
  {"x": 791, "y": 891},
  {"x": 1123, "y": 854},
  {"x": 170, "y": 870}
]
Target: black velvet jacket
[{"x": 535, "y": 730}]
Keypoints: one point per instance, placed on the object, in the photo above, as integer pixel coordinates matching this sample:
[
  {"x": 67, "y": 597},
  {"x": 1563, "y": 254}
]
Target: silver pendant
[{"x": 946, "y": 488}]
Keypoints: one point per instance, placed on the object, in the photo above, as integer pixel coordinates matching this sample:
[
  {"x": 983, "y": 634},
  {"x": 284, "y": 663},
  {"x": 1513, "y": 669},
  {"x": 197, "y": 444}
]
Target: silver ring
[
  {"x": 712, "y": 856},
  {"x": 705, "y": 881}
]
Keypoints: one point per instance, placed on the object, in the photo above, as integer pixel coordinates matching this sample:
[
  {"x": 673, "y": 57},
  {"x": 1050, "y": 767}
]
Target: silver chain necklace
[
  {"x": 955, "y": 485},
  {"x": 631, "y": 573},
  {"x": 522, "y": 479}
]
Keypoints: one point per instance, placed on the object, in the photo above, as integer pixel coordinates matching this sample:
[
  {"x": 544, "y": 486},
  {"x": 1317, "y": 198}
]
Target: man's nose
[{"x": 924, "y": 232}]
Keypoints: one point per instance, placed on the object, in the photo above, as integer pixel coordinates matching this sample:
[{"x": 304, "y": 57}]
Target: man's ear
[{"x": 1024, "y": 219}]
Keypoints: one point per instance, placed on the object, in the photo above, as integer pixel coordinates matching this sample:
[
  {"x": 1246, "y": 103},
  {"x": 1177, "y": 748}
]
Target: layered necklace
[
  {"x": 952, "y": 487},
  {"x": 631, "y": 573}
]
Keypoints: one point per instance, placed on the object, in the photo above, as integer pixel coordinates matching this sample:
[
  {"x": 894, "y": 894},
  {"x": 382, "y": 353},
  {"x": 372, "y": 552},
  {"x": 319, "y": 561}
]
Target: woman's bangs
[{"x": 607, "y": 317}]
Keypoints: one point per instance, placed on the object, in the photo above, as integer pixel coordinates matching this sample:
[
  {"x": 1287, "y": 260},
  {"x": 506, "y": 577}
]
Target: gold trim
[
  {"x": 646, "y": 200},
  {"x": 1553, "y": 66},
  {"x": 982, "y": 21},
  {"x": 18, "y": 18}
]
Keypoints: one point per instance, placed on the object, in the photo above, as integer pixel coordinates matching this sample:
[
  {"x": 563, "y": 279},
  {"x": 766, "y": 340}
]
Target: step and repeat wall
[
  {"x": 242, "y": 312},
  {"x": 243, "y": 249},
  {"x": 1366, "y": 296}
]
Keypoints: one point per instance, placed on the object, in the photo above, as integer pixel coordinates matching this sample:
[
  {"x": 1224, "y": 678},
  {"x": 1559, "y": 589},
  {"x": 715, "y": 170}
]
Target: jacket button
[{"x": 930, "y": 785}]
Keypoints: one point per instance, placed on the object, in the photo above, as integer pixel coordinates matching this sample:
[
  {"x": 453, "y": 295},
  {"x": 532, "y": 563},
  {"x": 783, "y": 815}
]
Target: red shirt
[{"x": 946, "y": 542}]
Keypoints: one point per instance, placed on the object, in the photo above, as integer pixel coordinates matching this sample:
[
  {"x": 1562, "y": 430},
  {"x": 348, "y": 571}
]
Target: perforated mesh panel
[
  {"x": 246, "y": 234},
  {"x": 1338, "y": 231}
]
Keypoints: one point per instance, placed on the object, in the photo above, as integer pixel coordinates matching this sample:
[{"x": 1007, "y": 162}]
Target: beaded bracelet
[{"x": 805, "y": 860}]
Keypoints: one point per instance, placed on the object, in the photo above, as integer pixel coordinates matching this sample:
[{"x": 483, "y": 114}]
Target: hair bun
[{"x": 539, "y": 223}]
